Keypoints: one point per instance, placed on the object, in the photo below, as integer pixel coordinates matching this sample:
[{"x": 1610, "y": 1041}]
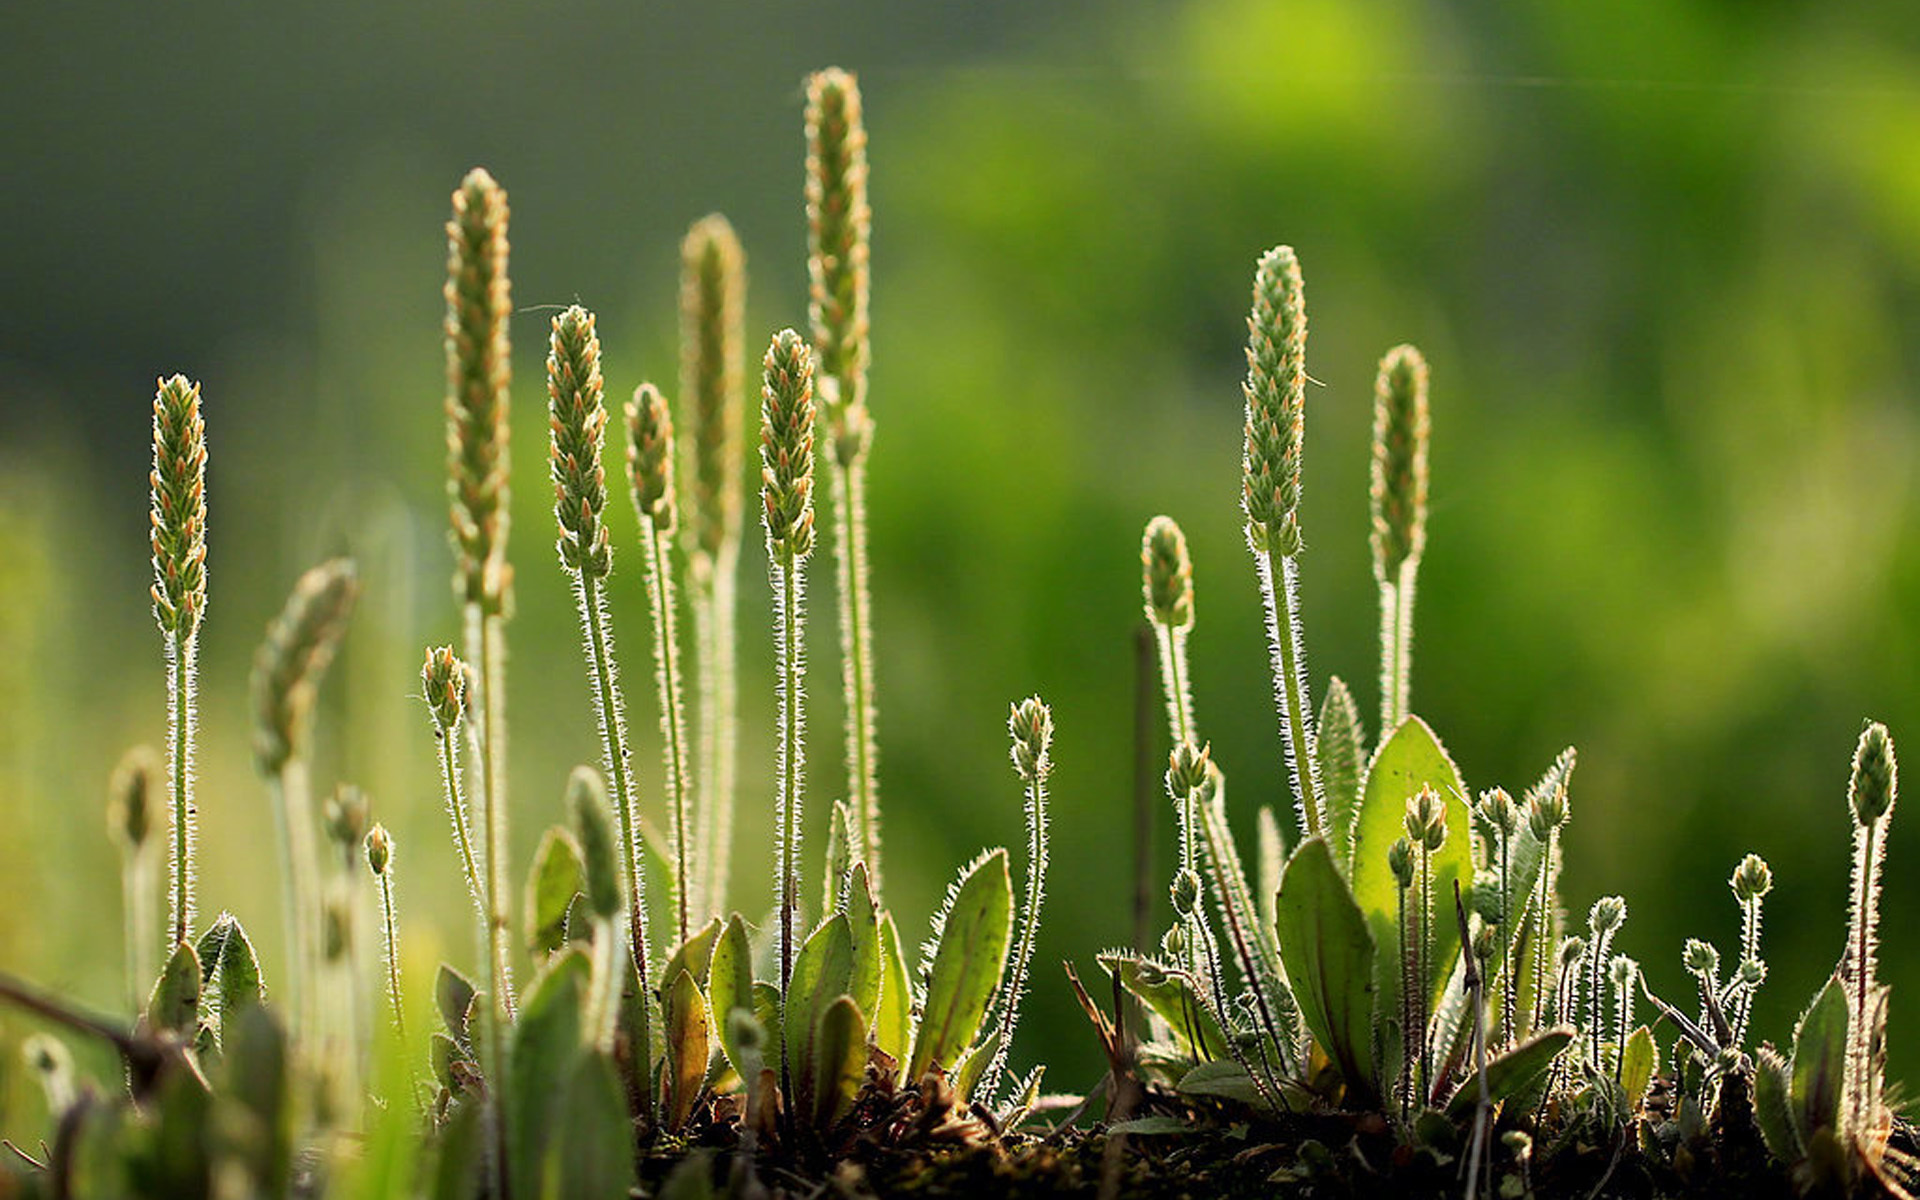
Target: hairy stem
[
  {"x": 788, "y": 589},
  {"x": 673, "y": 724},
  {"x": 182, "y": 718},
  {"x": 710, "y": 603},
  {"x": 847, "y": 483},
  {"x": 462, "y": 830},
  {"x": 1290, "y": 686},
  {"x": 392, "y": 939},
  {"x": 1396, "y": 648}
]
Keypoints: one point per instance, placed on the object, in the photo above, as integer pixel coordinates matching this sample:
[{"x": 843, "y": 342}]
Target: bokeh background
[{"x": 1664, "y": 257}]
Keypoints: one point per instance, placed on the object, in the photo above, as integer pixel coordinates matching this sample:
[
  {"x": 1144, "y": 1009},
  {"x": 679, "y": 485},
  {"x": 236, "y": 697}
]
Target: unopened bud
[
  {"x": 379, "y": 849},
  {"x": 1752, "y": 879}
]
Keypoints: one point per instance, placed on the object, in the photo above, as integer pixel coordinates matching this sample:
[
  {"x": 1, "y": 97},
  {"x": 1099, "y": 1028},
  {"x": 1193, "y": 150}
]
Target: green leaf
[
  {"x": 695, "y": 955},
  {"x": 547, "y": 1041},
  {"x": 863, "y": 926},
  {"x": 1638, "y": 1061},
  {"x": 893, "y": 1017},
  {"x": 689, "y": 1046},
  {"x": 730, "y": 986},
  {"x": 1227, "y": 1080},
  {"x": 968, "y": 960},
  {"x": 553, "y": 882},
  {"x": 459, "y": 1166},
  {"x": 175, "y": 1004},
  {"x": 1151, "y": 1126},
  {"x": 229, "y": 967},
  {"x": 258, "y": 1117},
  {"x": 1511, "y": 1072},
  {"x": 766, "y": 1010},
  {"x": 1410, "y": 760},
  {"x": 1819, "y": 1061},
  {"x": 840, "y": 1061},
  {"x": 1329, "y": 955},
  {"x": 453, "y": 995},
  {"x": 972, "y": 1063},
  {"x": 1170, "y": 994},
  {"x": 821, "y": 972},
  {"x": 1337, "y": 749},
  {"x": 1773, "y": 1106},
  {"x": 839, "y": 857},
  {"x": 592, "y": 1151}
]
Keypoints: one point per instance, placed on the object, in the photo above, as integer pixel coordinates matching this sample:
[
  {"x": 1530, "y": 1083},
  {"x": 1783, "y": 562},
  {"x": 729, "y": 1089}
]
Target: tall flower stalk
[
  {"x": 444, "y": 680},
  {"x": 650, "y": 476},
  {"x": 1870, "y": 795},
  {"x": 713, "y": 297},
  {"x": 179, "y": 483},
  {"x": 786, "y": 495},
  {"x": 1401, "y": 431},
  {"x": 577, "y": 419},
  {"x": 136, "y": 785},
  {"x": 839, "y": 230},
  {"x": 1276, "y": 392},
  {"x": 478, "y": 374}
]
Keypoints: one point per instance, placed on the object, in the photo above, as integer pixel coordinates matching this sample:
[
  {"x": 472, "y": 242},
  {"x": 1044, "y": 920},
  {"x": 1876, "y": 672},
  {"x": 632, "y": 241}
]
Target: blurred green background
[{"x": 1664, "y": 258}]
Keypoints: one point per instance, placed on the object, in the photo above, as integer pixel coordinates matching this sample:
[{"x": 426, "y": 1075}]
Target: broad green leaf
[
  {"x": 967, "y": 1075},
  {"x": 967, "y": 964},
  {"x": 229, "y": 972},
  {"x": 175, "y": 1004},
  {"x": 688, "y": 1046},
  {"x": 1227, "y": 1080},
  {"x": 1150, "y": 1126},
  {"x": 1773, "y": 1105},
  {"x": 255, "y": 1066},
  {"x": 893, "y": 1020},
  {"x": 1638, "y": 1061},
  {"x": 692, "y": 1179},
  {"x": 1510, "y": 1072},
  {"x": 1338, "y": 739},
  {"x": 694, "y": 955},
  {"x": 1170, "y": 994},
  {"x": 839, "y": 857},
  {"x": 1819, "y": 1061},
  {"x": 453, "y": 995},
  {"x": 863, "y": 926},
  {"x": 1329, "y": 954},
  {"x": 591, "y": 1152},
  {"x": 1409, "y": 760},
  {"x": 553, "y": 882},
  {"x": 179, "y": 1160},
  {"x": 730, "y": 986},
  {"x": 821, "y": 972},
  {"x": 546, "y": 1045},
  {"x": 459, "y": 1167},
  {"x": 839, "y": 1061},
  {"x": 657, "y": 879},
  {"x": 766, "y": 1010}
]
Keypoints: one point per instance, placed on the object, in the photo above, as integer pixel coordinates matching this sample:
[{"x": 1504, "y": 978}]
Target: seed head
[
  {"x": 1752, "y": 879},
  {"x": 577, "y": 421},
  {"x": 1167, "y": 574},
  {"x": 478, "y": 374},
  {"x": 1701, "y": 958},
  {"x": 1546, "y": 812},
  {"x": 839, "y": 230},
  {"x": 1186, "y": 892},
  {"x": 1187, "y": 768},
  {"x": 1498, "y": 810},
  {"x": 650, "y": 457},
  {"x": 379, "y": 849},
  {"x": 179, "y": 482},
  {"x": 713, "y": 300},
  {"x": 291, "y": 660},
  {"x": 1606, "y": 914},
  {"x": 1275, "y": 391},
  {"x": 136, "y": 790},
  {"x": 444, "y": 678},
  {"x": 1400, "y": 862},
  {"x": 1876, "y": 776},
  {"x": 344, "y": 815},
  {"x": 786, "y": 448},
  {"x": 1030, "y": 724},
  {"x": 1401, "y": 430},
  {"x": 1426, "y": 820}
]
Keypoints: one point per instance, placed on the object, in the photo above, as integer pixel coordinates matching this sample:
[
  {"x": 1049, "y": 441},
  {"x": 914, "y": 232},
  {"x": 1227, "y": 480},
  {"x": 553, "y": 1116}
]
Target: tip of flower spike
[
  {"x": 1752, "y": 879},
  {"x": 1426, "y": 819},
  {"x": 134, "y": 796},
  {"x": 1876, "y": 776},
  {"x": 1030, "y": 725},
  {"x": 379, "y": 849},
  {"x": 650, "y": 457},
  {"x": 1606, "y": 914},
  {"x": 179, "y": 507},
  {"x": 1275, "y": 393},
  {"x": 786, "y": 446},
  {"x": 444, "y": 678},
  {"x": 1401, "y": 432},
  {"x": 1167, "y": 574},
  {"x": 1187, "y": 768}
]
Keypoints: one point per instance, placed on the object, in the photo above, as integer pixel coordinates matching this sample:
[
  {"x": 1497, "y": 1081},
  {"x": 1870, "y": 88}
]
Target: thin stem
[
  {"x": 1542, "y": 949},
  {"x": 293, "y": 809},
  {"x": 1859, "y": 1065},
  {"x": 1016, "y": 985},
  {"x": 137, "y": 882},
  {"x": 1423, "y": 967},
  {"x": 182, "y": 717},
  {"x": 710, "y": 603},
  {"x": 462, "y": 834},
  {"x": 486, "y": 641},
  {"x": 1173, "y": 662},
  {"x": 788, "y": 622},
  {"x": 673, "y": 724},
  {"x": 393, "y": 951},
  {"x": 847, "y": 483},
  {"x": 1506, "y": 938},
  {"x": 1407, "y": 1038},
  {"x": 1290, "y": 687}
]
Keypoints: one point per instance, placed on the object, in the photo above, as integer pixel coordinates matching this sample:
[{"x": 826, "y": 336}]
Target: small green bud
[
  {"x": 1546, "y": 812},
  {"x": 136, "y": 790},
  {"x": 1030, "y": 725},
  {"x": 1400, "y": 862},
  {"x": 1606, "y": 914},
  {"x": 1186, "y": 892},
  {"x": 1484, "y": 944},
  {"x": 599, "y": 854},
  {"x": 1188, "y": 768},
  {"x": 1876, "y": 776},
  {"x": 345, "y": 814},
  {"x": 1173, "y": 943},
  {"x": 1701, "y": 958},
  {"x": 1519, "y": 1143},
  {"x": 650, "y": 457},
  {"x": 444, "y": 678},
  {"x": 1622, "y": 971},
  {"x": 1752, "y": 973},
  {"x": 1751, "y": 880},
  {"x": 1498, "y": 810},
  {"x": 379, "y": 849},
  {"x": 1485, "y": 898},
  {"x": 1167, "y": 574},
  {"x": 1426, "y": 819},
  {"x": 1571, "y": 948}
]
